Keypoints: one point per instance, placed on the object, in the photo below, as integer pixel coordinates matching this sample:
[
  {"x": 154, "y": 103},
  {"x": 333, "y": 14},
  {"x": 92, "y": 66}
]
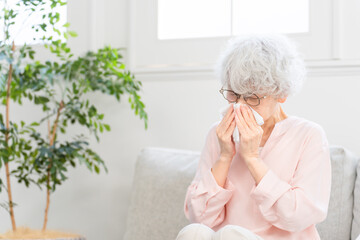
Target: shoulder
[
  {"x": 310, "y": 130},
  {"x": 305, "y": 125}
]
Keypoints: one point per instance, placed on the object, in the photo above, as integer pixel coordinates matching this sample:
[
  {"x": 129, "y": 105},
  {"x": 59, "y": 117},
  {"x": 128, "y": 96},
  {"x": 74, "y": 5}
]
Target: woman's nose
[{"x": 241, "y": 100}]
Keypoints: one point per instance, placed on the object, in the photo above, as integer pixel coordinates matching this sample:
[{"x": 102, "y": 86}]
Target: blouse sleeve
[
  {"x": 304, "y": 201},
  {"x": 205, "y": 200}
]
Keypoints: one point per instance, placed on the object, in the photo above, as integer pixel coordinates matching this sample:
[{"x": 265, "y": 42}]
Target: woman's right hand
[{"x": 224, "y": 132}]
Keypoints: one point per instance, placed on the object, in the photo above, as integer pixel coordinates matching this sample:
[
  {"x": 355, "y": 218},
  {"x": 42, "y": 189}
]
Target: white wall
[{"x": 180, "y": 114}]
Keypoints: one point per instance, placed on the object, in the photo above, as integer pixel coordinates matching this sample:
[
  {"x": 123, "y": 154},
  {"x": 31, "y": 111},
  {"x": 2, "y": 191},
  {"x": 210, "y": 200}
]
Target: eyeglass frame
[{"x": 238, "y": 96}]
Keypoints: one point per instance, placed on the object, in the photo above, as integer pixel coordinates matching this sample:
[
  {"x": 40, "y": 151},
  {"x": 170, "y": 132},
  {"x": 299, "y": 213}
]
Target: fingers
[
  {"x": 252, "y": 115},
  {"x": 229, "y": 121},
  {"x": 249, "y": 117},
  {"x": 242, "y": 125},
  {"x": 227, "y": 126},
  {"x": 229, "y": 111},
  {"x": 225, "y": 121},
  {"x": 231, "y": 127}
]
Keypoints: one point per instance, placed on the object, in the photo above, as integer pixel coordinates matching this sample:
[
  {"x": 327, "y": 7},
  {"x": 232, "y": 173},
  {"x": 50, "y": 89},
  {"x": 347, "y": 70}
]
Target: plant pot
[
  {"x": 25, "y": 233},
  {"x": 79, "y": 238}
]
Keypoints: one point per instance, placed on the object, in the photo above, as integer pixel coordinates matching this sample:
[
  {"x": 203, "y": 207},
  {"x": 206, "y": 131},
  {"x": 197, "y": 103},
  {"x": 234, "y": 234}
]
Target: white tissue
[{"x": 258, "y": 118}]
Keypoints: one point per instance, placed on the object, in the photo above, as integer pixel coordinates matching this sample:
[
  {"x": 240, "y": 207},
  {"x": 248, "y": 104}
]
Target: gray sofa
[{"x": 162, "y": 176}]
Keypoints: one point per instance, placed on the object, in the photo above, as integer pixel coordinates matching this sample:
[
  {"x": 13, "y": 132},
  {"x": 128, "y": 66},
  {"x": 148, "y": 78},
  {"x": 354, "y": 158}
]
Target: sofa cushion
[
  {"x": 160, "y": 182},
  {"x": 337, "y": 225},
  {"x": 162, "y": 176},
  {"x": 356, "y": 221}
]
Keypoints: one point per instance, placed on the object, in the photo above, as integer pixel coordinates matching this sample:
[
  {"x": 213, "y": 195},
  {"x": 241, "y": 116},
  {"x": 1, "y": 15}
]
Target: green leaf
[
  {"x": 74, "y": 88},
  {"x": 97, "y": 170},
  {"x": 73, "y": 34},
  {"x": 107, "y": 127},
  {"x": 57, "y": 31},
  {"x": 73, "y": 163},
  {"x": 41, "y": 100},
  {"x": 62, "y": 176}
]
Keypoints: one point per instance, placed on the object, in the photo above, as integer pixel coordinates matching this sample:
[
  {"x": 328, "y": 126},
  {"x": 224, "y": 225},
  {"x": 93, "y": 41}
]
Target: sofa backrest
[
  {"x": 355, "y": 230},
  {"x": 161, "y": 179},
  {"x": 162, "y": 176},
  {"x": 338, "y": 223}
]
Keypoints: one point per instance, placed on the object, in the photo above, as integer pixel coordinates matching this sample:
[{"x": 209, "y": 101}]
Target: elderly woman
[{"x": 275, "y": 182}]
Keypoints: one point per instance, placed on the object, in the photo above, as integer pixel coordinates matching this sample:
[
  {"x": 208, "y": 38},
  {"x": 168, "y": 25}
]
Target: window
[
  {"x": 282, "y": 16},
  {"x": 21, "y": 30},
  {"x": 193, "y": 18},
  {"x": 167, "y": 41},
  {"x": 214, "y": 18}
]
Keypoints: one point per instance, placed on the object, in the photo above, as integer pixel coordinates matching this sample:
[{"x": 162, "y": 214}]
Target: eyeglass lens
[{"x": 232, "y": 97}]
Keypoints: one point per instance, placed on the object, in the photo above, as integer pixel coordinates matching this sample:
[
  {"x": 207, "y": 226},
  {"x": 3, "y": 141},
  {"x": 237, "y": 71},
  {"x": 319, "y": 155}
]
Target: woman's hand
[
  {"x": 250, "y": 132},
  {"x": 224, "y": 132}
]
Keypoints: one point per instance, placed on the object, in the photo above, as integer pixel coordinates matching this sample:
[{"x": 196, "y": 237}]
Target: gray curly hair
[{"x": 264, "y": 64}]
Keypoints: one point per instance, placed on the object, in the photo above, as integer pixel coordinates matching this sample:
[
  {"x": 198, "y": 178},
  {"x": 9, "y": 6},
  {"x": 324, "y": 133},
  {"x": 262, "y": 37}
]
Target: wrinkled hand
[
  {"x": 250, "y": 132},
  {"x": 224, "y": 133}
]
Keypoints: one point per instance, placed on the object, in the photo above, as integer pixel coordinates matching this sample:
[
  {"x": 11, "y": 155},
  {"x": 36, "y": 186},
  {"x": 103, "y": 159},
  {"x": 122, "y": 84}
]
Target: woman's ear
[{"x": 282, "y": 100}]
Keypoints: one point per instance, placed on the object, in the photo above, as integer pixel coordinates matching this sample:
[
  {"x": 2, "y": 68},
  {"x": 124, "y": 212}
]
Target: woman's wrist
[
  {"x": 250, "y": 160},
  {"x": 257, "y": 168},
  {"x": 225, "y": 158},
  {"x": 220, "y": 170}
]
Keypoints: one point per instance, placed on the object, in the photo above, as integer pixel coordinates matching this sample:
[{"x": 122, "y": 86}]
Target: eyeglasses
[{"x": 232, "y": 96}]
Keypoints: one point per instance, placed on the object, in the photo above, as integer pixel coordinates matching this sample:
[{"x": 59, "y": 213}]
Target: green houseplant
[{"x": 60, "y": 88}]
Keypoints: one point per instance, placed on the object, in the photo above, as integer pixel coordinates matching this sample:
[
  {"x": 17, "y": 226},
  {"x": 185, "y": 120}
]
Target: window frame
[{"x": 149, "y": 57}]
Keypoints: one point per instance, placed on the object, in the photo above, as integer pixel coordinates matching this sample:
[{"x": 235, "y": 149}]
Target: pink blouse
[{"x": 289, "y": 200}]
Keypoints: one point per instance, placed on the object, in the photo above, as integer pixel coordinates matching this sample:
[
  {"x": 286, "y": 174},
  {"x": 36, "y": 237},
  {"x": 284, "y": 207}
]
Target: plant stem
[
  {"x": 7, "y": 144},
  {"x": 52, "y": 135}
]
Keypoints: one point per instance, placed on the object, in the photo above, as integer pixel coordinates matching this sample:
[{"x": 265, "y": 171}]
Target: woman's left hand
[{"x": 250, "y": 132}]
